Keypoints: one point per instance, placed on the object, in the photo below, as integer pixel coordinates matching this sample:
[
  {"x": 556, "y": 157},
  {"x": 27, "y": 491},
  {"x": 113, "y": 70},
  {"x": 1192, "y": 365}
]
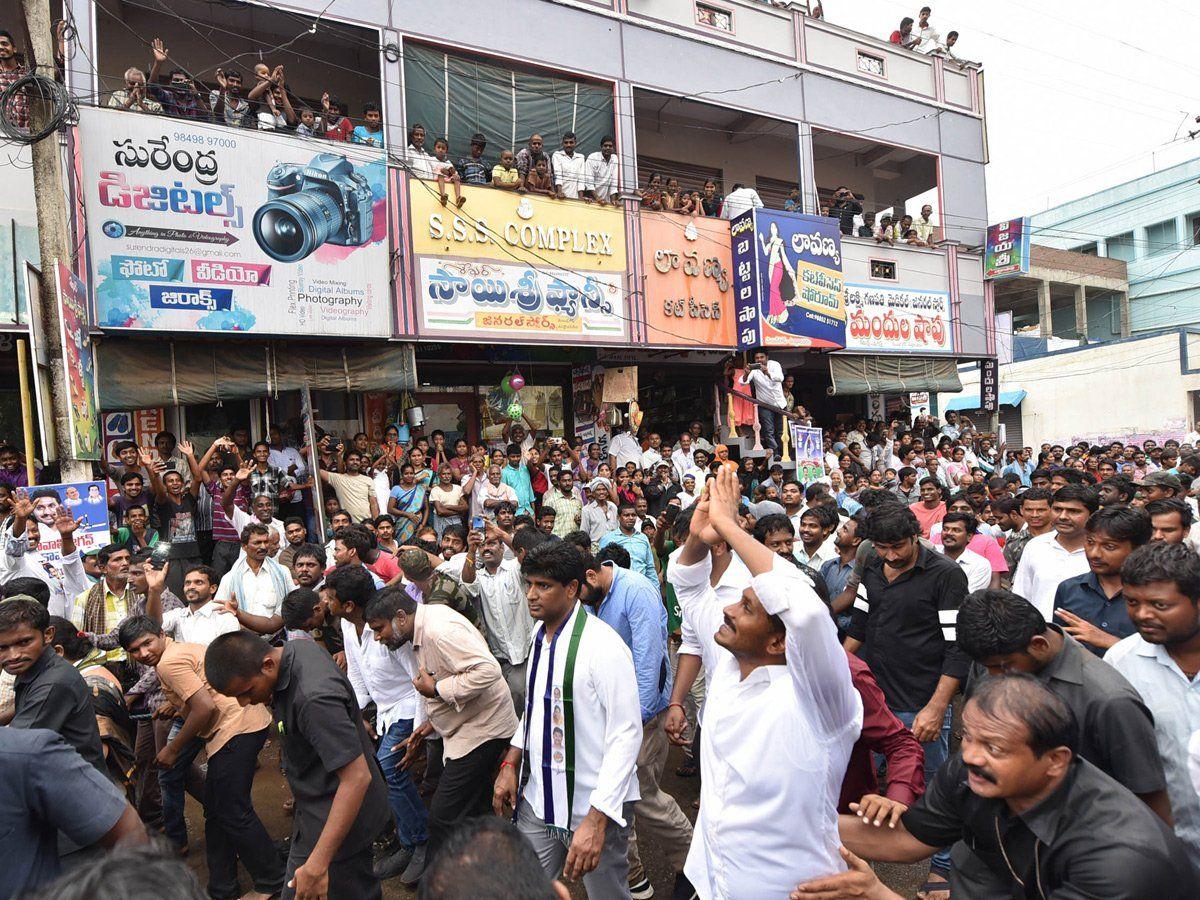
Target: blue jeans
[
  {"x": 937, "y": 752},
  {"x": 412, "y": 820},
  {"x": 770, "y": 429},
  {"x": 172, "y": 783}
]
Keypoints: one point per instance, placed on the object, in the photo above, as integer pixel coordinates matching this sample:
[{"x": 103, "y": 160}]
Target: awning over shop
[
  {"x": 137, "y": 374},
  {"x": 972, "y": 401},
  {"x": 892, "y": 374}
]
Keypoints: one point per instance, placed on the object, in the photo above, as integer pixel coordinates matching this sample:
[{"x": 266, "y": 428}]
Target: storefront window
[{"x": 205, "y": 422}]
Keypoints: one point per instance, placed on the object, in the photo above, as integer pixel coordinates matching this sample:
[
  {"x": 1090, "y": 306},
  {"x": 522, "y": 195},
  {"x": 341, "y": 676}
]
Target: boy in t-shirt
[
  {"x": 371, "y": 131},
  {"x": 446, "y": 173},
  {"x": 538, "y": 180},
  {"x": 504, "y": 174}
]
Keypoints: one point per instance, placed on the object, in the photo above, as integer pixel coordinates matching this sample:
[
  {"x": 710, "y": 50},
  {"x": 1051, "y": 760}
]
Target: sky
[{"x": 1080, "y": 94}]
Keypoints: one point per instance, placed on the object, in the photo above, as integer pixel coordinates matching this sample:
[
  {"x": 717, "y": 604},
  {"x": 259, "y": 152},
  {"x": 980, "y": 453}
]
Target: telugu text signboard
[
  {"x": 513, "y": 268},
  {"x": 687, "y": 268},
  {"x": 195, "y": 228},
  {"x": 492, "y": 300},
  {"x": 1007, "y": 251},
  {"x": 895, "y": 320},
  {"x": 788, "y": 280}
]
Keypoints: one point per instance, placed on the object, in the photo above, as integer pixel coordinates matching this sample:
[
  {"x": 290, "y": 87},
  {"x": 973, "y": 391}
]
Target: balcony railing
[{"x": 816, "y": 43}]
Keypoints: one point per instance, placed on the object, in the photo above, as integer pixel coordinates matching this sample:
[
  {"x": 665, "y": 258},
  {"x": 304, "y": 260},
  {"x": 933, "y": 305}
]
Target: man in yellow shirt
[{"x": 101, "y": 608}]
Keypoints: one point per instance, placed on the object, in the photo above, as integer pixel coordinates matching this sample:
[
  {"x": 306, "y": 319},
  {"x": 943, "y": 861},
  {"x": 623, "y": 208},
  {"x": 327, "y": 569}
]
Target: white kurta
[
  {"x": 607, "y": 721},
  {"x": 775, "y": 745}
]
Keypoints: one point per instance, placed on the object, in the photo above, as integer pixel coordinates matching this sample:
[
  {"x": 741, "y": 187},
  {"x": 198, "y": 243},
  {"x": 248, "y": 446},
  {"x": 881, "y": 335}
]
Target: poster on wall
[
  {"x": 809, "y": 448},
  {"x": 195, "y": 228},
  {"x": 587, "y": 391},
  {"x": 86, "y": 501},
  {"x": 1006, "y": 254},
  {"x": 79, "y": 365},
  {"x": 895, "y": 320},
  {"x": 788, "y": 280}
]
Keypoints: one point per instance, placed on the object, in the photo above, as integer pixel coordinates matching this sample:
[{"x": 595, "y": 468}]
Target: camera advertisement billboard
[
  {"x": 197, "y": 227},
  {"x": 788, "y": 280},
  {"x": 86, "y": 501}
]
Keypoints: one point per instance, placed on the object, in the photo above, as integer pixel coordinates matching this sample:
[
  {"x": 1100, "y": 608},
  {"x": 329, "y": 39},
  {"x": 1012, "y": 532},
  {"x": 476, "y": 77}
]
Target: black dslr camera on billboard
[{"x": 325, "y": 201}]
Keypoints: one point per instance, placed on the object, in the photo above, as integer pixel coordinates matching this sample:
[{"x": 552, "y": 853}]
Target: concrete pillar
[
  {"x": 808, "y": 176},
  {"x": 1123, "y": 299},
  {"x": 1081, "y": 322},
  {"x": 1101, "y": 246},
  {"x": 1045, "y": 323}
]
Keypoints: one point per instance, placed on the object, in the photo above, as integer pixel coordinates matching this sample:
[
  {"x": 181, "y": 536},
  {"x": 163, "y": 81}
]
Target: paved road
[{"x": 270, "y": 791}]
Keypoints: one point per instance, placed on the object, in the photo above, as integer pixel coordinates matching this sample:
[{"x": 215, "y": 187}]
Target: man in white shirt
[
  {"x": 739, "y": 200},
  {"x": 603, "y": 173},
  {"x": 385, "y": 677},
  {"x": 498, "y": 587},
  {"x": 599, "y": 515},
  {"x": 624, "y": 449},
  {"x": 569, "y": 169},
  {"x": 201, "y": 621},
  {"x": 652, "y": 455},
  {"x": 1051, "y": 558},
  {"x": 957, "y": 530},
  {"x": 765, "y": 376},
  {"x": 581, "y": 784},
  {"x": 781, "y": 715},
  {"x": 419, "y": 161},
  {"x": 681, "y": 458},
  {"x": 253, "y": 590},
  {"x": 930, "y": 40}
]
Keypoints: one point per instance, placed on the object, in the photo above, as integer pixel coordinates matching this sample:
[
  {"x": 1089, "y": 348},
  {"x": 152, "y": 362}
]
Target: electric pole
[{"x": 54, "y": 241}]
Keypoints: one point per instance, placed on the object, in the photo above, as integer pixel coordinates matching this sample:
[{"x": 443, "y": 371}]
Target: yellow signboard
[{"x": 514, "y": 228}]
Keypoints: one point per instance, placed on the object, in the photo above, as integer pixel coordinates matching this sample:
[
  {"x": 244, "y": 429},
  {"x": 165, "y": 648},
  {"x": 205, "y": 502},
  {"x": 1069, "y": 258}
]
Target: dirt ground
[{"x": 270, "y": 791}]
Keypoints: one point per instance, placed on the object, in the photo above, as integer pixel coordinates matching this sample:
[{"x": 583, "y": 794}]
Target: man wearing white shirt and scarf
[
  {"x": 570, "y": 772},
  {"x": 254, "y": 589},
  {"x": 780, "y": 719}
]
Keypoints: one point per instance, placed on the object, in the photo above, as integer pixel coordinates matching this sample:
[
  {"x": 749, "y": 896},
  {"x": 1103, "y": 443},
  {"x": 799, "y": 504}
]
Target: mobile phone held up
[
  {"x": 160, "y": 554},
  {"x": 477, "y": 523}
]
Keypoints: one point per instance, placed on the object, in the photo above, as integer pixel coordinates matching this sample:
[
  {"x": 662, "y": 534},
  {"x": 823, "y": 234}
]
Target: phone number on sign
[{"x": 523, "y": 321}]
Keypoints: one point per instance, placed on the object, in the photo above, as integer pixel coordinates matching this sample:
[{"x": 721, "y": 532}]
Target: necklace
[{"x": 1037, "y": 862}]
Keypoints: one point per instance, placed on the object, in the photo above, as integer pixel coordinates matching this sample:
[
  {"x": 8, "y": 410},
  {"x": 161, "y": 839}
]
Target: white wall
[
  {"x": 1115, "y": 391},
  {"x": 835, "y": 50}
]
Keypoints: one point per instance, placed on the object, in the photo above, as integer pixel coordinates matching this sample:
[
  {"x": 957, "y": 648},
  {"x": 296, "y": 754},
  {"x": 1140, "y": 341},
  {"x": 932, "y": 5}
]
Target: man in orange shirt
[
  {"x": 232, "y": 735},
  {"x": 931, "y": 508}
]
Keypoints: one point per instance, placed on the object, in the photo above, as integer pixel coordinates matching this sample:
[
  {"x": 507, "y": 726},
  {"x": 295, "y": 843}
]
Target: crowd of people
[
  {"x": 922, "y": 37},
  {"x": 475, "y": 671}
]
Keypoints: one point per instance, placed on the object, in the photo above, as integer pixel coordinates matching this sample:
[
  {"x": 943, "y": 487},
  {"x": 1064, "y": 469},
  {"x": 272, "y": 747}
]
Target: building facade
[{"x": 405, "y": 300}]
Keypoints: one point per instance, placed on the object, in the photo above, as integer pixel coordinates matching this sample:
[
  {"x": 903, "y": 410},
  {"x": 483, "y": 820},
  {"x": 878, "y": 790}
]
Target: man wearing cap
[
  {"x": 599, "y": 515},
  {"x": 659, "y": 492},
  {"x": 427, "y": 585},
  {"x": 472, "y": 169}
]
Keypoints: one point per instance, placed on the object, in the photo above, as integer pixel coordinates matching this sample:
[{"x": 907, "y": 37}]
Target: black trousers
[
  {"x": 352, "y": 878},
  {"x": 465, "y": 790},
  {"x": 225, "y": 554},
  {"x": 232, "y": 829}
]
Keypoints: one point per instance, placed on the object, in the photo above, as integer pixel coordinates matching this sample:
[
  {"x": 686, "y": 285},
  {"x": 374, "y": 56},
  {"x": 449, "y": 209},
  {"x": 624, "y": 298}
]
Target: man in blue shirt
[
  {"x": 516, "y": 476},
  {"x": 633, "y": 606},
  {"x": 1022, "y": 467},
  {"x": 628, "y": 535},
  {"x": 836, "y": 572},
  {"x": 1091, "y": 606}
]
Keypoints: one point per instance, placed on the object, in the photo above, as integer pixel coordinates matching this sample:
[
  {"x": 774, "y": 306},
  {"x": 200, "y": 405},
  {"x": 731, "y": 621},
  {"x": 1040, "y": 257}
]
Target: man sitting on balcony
[
  {"x": 134, "y": 96},
  {"x": 904, "y": 34},
  {"x": 924, "y": 225}
]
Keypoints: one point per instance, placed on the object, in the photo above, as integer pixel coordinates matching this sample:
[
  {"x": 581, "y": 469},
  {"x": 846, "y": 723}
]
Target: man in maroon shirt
[{"x": 885, "y": 735}]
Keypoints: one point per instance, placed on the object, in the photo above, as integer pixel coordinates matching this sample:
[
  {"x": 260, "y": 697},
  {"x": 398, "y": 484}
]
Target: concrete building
[
  {"x": 735, "y": 91},
  {"x": 1152, "y": 224},
  {"x": 1145, "y": 386}
]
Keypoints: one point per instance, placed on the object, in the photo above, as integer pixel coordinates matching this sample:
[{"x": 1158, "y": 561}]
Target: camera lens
[{"x": 290, "y": 228}]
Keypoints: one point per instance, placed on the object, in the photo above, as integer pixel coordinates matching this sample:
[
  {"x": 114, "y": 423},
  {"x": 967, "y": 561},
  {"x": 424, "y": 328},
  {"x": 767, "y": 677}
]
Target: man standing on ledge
[
  {"x": 570, "y": 772},
  {"x": 341, "y": 797}
]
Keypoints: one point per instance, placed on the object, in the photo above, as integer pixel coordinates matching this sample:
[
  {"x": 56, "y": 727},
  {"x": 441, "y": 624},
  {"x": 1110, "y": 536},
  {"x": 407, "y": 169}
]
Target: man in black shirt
[
  {"x": 177, "y": 511},
  {"x": 49, "y": 692},
  {"x": 1044, "y": 821},
  {"x": 906, "y": 630},
  {"x": 1003, "y": 634},
  {"x": 341, "y": 797},
  {"x": 844, "y": 208}
]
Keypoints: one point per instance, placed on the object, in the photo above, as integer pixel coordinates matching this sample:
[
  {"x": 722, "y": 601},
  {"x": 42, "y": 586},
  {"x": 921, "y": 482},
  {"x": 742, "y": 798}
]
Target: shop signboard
[
  {"x": 79, "y": 365},
  {"x": 989, "y": 385},
  {"x": 195, "y": 228},
  {"x": 513, "y": 268},
  {"x": 809, "y": 447},
  {"x": 86, "y": 501},
  {"x": 138, "y": 425},
  {"x": 896, "y": 320},
  {"x": 788, "y": 280},
  {"x": 587, "y": 391},
  {"x": 1006, "y": 254},
  {"x": 687, "y": 280}
]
